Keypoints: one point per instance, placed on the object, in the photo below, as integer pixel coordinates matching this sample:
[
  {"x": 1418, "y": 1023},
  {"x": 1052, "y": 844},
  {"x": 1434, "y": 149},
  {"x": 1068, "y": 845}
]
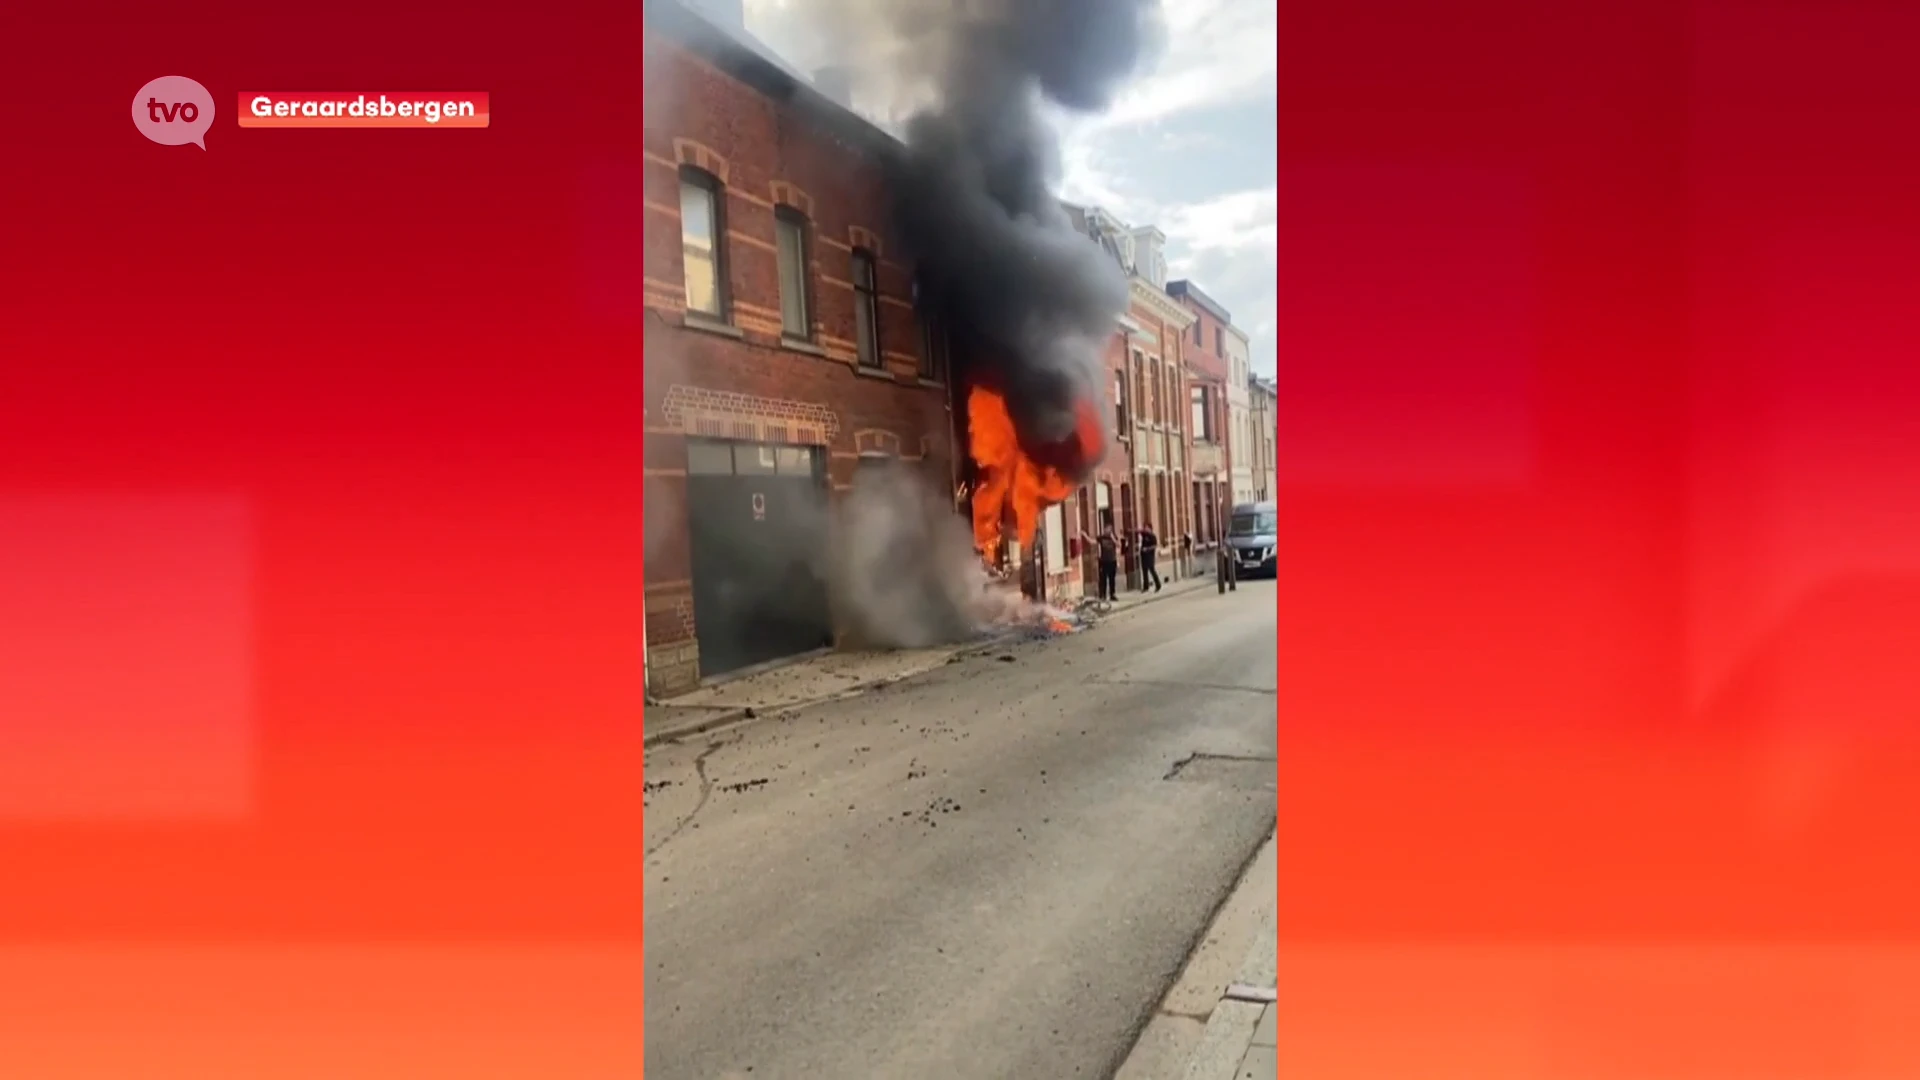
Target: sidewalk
[
  {"x": 818, "y": 677},
  {"x": 1132, "y": 598},
  {"x": 1241, "y": 1035},
  {"x": 1217, "y": 1020}
]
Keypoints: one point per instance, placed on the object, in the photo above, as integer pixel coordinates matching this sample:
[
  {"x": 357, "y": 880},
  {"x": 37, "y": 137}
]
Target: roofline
[
  {"x": 674, "y": 20},
  {"x": 1187, "y": 289}
]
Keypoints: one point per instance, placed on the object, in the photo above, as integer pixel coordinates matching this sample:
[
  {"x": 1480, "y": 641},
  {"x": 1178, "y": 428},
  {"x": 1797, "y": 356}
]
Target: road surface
[{"x": 991, "y": 871}]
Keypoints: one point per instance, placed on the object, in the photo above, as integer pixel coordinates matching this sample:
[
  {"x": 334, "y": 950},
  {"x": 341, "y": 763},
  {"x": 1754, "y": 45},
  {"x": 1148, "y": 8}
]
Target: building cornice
[{"x": 1166, "y": 308}]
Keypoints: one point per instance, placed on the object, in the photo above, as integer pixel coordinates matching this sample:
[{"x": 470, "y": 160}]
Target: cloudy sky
[{"x": 1188, "y": 146}]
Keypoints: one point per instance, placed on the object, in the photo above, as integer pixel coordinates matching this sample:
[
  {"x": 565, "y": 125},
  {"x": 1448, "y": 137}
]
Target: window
[
  {"x": 933, "y": 337},
  {"x": 866, "y": 309},
  {"x": 1220, "y": 343},
  {"x": 1197, "y": 339},
  {"x": 790, "y": 230},
  {"x": 1143, "y": 403},
  {"x": 933, "y": 351},
  {"x": 1120, "y": 404},
  {"x": 1056, "y": 530},
  {"x": 1202, "y": 430},
  {"x": 700, "y": 225},
  {"x": 713, "y": 457},
  {"x": 1256, "y": 522},
  {"x": 794, "y": 460},
  {"x": 755, "y": 460},
  {"x": 709, "y": 459}
]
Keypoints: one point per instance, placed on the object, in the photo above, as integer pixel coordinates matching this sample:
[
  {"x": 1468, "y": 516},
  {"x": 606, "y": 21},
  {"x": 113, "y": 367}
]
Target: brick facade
[
  {"x": 1146, "y": 470},
  {"x": 764, "y": 146},
  {"x": 1210, "y": 493}
]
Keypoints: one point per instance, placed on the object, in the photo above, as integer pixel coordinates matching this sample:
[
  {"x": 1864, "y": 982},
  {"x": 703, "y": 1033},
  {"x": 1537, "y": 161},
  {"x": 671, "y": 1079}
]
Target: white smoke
[{"x": 901, "y": 569}]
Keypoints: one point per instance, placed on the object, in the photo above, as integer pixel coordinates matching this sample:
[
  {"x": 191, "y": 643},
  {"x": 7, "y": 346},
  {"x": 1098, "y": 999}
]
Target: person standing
[
  {"x": 1149, "y": 547},
  {"x": 1109, "y": 548}
]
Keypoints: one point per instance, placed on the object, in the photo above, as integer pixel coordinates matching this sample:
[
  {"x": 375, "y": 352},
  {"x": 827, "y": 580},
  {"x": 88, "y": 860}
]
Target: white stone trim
[{"x": 1170, "y": 311}]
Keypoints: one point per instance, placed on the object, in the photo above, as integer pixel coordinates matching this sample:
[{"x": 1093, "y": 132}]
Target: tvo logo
[{"x": 174, "y": 110}]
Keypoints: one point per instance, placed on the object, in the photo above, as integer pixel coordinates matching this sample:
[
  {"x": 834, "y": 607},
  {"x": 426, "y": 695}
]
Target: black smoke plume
[
  {"x": 1000, "y": 259},
  {"x": 999, "y": 255}
]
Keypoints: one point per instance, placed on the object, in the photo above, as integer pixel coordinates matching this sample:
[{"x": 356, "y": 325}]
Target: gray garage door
[{"x": 757, "y": 518}]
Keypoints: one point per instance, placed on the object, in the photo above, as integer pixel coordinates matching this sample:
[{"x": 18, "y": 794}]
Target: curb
[
  {"x": 1235, "y": 1021},
  {"x": 649, "y": 737}
]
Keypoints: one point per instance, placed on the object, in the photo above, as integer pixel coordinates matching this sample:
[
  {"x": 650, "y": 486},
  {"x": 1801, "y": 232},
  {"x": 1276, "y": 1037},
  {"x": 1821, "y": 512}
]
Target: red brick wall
[
  {"x": 1212, "y": 362},
  {"x": 1161, "y": 408},
  {"x": 745, "y": 380}
]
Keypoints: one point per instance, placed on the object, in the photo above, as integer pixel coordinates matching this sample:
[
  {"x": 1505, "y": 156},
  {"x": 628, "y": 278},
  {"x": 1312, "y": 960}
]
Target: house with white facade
[{"x": 1242, "y": 444}]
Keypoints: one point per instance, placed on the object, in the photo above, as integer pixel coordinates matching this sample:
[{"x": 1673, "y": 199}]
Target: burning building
[
  {"x": 1045, "y": 411},
  {"x": 823, "y": 296}
]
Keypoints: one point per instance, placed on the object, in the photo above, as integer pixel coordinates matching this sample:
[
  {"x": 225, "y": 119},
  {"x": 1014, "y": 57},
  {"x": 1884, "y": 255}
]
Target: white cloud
[
  {"x": 1219, "y": 54},
  {"x": 1239, "y": 221}
]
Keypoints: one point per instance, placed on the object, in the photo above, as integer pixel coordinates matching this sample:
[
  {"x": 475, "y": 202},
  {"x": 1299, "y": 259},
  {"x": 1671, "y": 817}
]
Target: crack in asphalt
[
  {"x": 1251, "y": 759},
  {"x": 706, "y": 792}
]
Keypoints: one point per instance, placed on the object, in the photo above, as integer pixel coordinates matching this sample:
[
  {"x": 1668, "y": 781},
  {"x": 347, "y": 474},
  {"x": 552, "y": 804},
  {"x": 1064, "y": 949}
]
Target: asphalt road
[{"x": 990, "y": 871}]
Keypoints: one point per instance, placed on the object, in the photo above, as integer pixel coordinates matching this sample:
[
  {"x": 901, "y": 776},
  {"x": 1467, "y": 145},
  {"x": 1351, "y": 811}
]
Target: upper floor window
[
  {"x": 866, "y": 308},
  {"x": 790, "y": 230},
  {"x": 933, "y": 334},
  {"x": 1144, "y": 400},
  {"x": 701, "y": 222},
  {"x": 1120, "y": 404},
  {"x": 1197, "y": 331},
  {"x": 1219, "y": 342},
  {"x": 933, "y": 350}
]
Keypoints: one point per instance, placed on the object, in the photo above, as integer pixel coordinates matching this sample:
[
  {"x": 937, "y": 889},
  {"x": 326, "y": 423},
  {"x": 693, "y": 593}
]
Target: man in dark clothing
[
  {"x": 1109, "y": 546},
  {"x": 1149, "y": 547}
]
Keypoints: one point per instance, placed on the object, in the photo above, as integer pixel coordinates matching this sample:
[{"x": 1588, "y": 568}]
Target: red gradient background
[
  {"x": 1596, "y": 634},
  {"x": 1600, "y": 474},
  {"x": 320, "y": 452}
]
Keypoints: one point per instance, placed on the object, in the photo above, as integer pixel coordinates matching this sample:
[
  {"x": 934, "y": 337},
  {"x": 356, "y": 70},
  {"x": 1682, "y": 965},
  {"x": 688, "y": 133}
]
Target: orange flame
[{"x": 1013, "y": 484}]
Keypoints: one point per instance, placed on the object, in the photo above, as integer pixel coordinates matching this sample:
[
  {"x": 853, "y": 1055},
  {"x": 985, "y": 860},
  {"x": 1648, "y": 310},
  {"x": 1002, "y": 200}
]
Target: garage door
[{"x": 757, "y": 519}]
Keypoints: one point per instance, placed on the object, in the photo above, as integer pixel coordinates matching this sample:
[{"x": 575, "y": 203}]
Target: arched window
[{"x": 701, "y": 227}]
